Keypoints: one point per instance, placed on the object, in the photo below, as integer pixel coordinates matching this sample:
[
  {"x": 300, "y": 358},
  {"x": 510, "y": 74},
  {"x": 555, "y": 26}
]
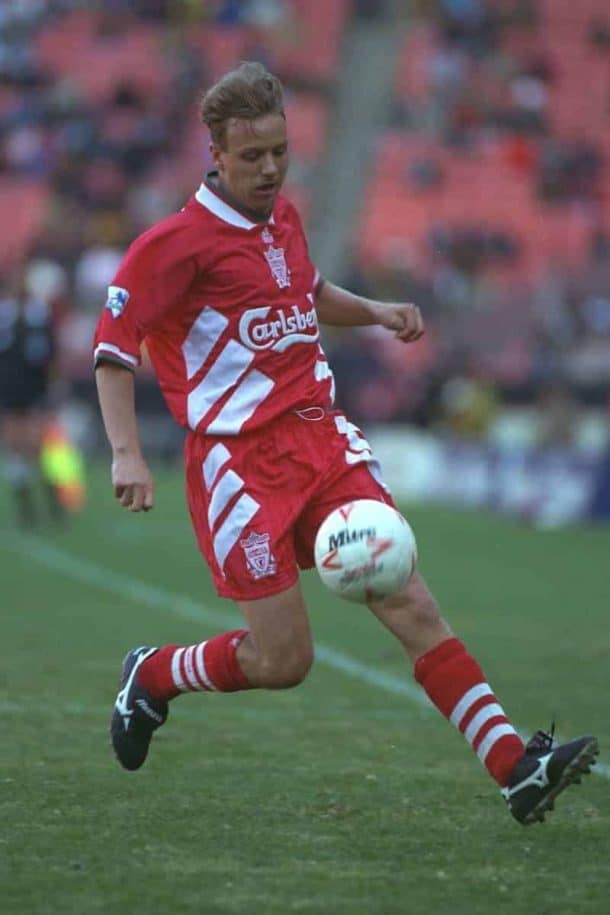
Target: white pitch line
[{"x": 91, "y": 573}]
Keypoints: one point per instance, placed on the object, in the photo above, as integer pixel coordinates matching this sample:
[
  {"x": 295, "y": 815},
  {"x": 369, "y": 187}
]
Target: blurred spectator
[
  {"x": 471, "y": 248},
  {"x": 91, "y": 273},
  {"x": 599, "y": 33},
  {"x": 558, "y": 415},
  {"x": 600, "y": 501},
  {"x": 425, "y": 173},
  {"x": 471, "y": 24},
  {"x": 568, "y": 170},
  {"x": 27, "y": 355},
  {"x": 467, "y": 405}
]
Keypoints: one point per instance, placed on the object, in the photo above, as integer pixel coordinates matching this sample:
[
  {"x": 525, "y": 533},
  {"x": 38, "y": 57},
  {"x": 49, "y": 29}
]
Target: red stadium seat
[
  {"x": 21, "y": 214},
  {"x": 312, "y": 54},
  {"x": 97, "y": 65},
  {"x": 490, "y": 187}
]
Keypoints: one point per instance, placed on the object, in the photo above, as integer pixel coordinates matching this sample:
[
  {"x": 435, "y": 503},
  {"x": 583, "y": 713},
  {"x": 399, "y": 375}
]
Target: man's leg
[
  {"x": 532, "y": 776},
  {"x": 274, "y": 652},
  {"x": 20, "y": 465},
  {"x": 451, "y": 677}
]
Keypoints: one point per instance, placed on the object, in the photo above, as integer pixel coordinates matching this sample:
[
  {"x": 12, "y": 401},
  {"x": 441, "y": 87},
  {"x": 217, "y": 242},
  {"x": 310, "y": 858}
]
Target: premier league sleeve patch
[{"x": 117, "y": 300}]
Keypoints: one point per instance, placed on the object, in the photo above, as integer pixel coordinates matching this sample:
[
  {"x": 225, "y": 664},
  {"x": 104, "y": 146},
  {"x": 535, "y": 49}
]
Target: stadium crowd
[
  {"x": 99, "y": 138},
  {"x": 490, "y": 206},
  {"x": 99, "y": 131}
]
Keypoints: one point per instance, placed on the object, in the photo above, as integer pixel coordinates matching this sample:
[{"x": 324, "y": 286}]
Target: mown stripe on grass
[{"x": 91, "y": 573}]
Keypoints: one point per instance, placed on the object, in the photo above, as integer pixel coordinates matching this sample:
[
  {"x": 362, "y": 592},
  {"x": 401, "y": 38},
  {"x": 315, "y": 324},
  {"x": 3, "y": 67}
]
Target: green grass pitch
[{"x": 345, "y": 796}]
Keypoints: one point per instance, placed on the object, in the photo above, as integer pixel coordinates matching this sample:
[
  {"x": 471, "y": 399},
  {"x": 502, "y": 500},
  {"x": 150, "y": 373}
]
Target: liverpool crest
[
  {"x": 277, "y": 264},
  {"x": 259, "y": 559}
]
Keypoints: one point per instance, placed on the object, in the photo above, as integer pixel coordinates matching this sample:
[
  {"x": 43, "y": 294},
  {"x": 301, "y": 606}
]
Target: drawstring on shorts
[{"x": 312, "y": 414}]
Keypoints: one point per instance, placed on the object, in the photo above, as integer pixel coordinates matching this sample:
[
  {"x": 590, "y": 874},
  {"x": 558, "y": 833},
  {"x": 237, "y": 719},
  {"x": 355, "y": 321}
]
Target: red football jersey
[{"x": 226, "y": 308}]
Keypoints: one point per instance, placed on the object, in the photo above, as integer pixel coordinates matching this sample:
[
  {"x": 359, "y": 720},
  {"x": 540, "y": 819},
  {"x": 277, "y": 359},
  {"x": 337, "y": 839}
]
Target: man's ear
[{"x": 216, "y": 153}]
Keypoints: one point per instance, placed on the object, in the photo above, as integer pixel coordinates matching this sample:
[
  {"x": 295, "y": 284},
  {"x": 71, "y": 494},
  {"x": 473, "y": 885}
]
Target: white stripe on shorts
[
  {"x": 230, "y": 530},
  {"x": 228, "y": 486},
  {"x": 215, "y": 459}
]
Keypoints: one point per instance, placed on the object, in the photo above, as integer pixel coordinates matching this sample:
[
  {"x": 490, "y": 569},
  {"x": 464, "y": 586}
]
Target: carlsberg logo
[
  {"x": 341, "y": 538},
  {"x": 262, "y": 328}
]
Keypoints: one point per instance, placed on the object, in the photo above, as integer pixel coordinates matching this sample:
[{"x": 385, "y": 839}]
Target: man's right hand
[{"x": 133, "y": 483}]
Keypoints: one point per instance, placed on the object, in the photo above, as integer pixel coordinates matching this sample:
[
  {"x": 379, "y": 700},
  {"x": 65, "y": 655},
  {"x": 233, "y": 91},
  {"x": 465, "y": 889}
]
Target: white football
[{"x": 365, "y": 550}]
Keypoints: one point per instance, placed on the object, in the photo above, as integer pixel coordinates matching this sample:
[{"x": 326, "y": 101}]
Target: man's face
[{"x": 253, "y": 161}]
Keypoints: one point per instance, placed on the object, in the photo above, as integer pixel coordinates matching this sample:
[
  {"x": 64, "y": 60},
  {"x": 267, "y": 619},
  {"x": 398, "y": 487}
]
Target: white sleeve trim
[{"x": 102, "y": 348}]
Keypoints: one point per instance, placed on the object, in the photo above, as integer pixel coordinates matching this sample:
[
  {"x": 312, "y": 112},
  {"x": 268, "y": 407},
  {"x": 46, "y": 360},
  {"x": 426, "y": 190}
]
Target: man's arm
[
  {"x": 338, "y": 307},
  {"x": 131, "y": 478}
]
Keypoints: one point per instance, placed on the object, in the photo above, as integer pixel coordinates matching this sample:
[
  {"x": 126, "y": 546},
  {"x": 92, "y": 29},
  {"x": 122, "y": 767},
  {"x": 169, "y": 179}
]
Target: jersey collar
[{"x": 213, "y": 202}]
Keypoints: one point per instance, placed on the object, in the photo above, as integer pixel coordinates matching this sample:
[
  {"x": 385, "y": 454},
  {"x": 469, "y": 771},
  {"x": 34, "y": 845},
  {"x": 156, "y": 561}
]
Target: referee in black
[{"x": 27, "y": 355}]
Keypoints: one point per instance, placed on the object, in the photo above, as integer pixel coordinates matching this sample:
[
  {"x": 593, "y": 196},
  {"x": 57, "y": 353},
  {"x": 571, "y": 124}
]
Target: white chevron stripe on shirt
[
  {"x": 201, "y": 338},
  {"x": 242, "y": 403},
  {"x": 322, "y": 371},
  {"x": 223, "y": 374}
]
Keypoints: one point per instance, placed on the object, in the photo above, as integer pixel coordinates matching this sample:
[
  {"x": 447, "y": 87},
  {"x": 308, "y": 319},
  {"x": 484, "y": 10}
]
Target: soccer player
[
  {"x": 229, "y": 304},
  {"x": 27, "y": 356}
]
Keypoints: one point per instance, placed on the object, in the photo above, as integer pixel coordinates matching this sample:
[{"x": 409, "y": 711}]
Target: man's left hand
[{"x": 404, "y": 319}]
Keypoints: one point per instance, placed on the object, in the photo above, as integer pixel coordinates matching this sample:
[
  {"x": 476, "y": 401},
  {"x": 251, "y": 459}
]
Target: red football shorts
[{"x": 257, "y": 500}]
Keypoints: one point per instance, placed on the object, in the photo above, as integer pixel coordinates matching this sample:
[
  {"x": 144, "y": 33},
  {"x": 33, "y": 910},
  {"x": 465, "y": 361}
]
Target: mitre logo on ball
[{"x": 340, "y": 538}]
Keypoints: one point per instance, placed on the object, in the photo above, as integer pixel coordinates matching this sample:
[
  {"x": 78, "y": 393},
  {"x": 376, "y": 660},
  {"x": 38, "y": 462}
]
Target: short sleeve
[{"x": 155, "y": 274}]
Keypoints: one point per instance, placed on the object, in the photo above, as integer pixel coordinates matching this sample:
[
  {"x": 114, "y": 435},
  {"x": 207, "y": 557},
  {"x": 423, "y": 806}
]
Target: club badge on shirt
[
  {"x": 276, "y": 259},
  {"x": 117, "y": 300}
]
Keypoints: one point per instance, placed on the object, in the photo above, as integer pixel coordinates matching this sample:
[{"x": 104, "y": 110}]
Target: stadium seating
[
  {"x": 23, "y": 207},
  {"x": 476, "y": 183},
  {"x": 92, "y": 54}
]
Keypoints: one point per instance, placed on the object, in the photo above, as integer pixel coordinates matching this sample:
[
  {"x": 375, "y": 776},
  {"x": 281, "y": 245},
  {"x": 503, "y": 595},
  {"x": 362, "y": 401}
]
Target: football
[{"x": 365, "y": 550}]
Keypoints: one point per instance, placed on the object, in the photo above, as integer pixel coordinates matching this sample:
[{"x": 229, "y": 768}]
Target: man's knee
[{"x": 285, "y": 670}]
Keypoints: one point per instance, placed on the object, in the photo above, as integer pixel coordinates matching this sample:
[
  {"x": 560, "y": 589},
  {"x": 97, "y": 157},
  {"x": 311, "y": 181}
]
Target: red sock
[
  {"x": 456, "y": 685},
  {"x": 209, "y": 665}
]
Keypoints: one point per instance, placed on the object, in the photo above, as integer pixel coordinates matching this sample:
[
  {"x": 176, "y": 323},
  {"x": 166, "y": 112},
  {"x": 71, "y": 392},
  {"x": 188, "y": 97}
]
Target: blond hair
[{"x": 249, "y": 91}]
